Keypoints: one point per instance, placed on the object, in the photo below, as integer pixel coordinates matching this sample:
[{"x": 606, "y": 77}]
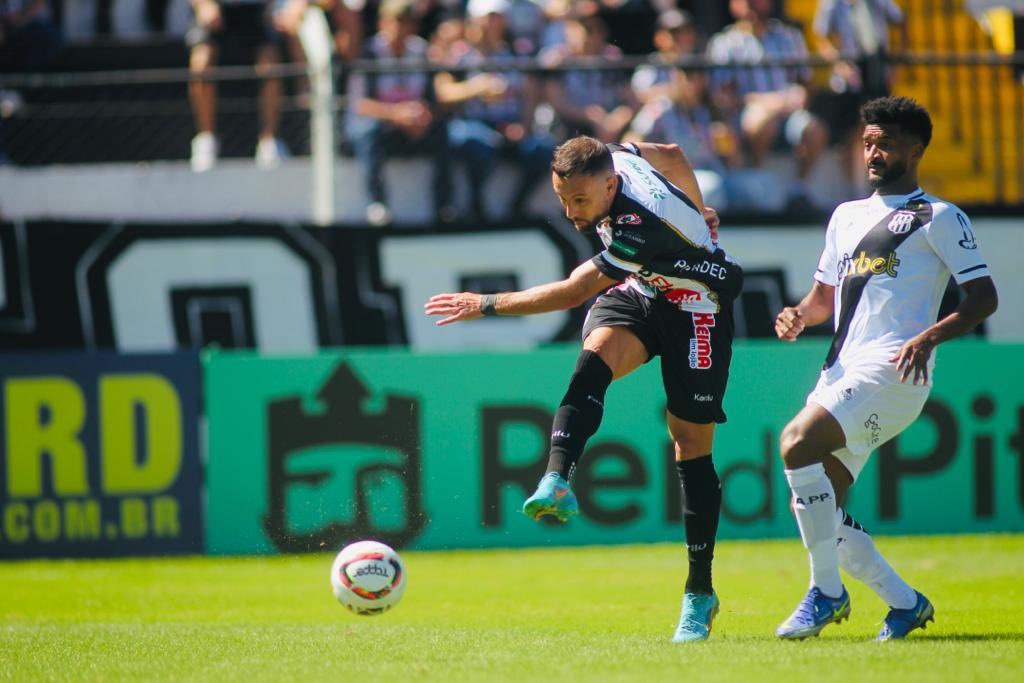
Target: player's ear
[{"x": 917, "y": 150}]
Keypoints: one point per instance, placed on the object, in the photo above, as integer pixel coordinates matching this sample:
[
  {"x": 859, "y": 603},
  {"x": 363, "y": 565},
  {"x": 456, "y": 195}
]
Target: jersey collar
[{"x": 893, "y": 201}]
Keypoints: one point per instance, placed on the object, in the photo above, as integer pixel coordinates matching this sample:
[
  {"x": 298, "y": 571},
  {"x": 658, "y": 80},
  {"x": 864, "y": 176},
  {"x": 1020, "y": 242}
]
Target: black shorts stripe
[{"x": 972, "y": 269}]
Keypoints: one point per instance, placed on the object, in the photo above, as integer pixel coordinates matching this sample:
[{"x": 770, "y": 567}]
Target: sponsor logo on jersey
[
  {"x": 968, "y": 241},
  {"x": 678, "y": 292},
  {"x": 630, "y": 235},
  {"x": 682, "y": 295},
  {"x": 863, "y": 264},
  {"x": 616, "y": 245},
  {"x": 846, "y": 394},
  {"x": 700, "y": 345},
  {"x": 628, "y": 219},
  {"x": 901, "y": 222},
  {"x": 655, "y": 190},
  {"x": 705, "y": 267}
]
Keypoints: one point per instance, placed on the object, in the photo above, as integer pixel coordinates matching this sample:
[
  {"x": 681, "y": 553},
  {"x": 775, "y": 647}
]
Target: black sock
[
  {"x": 702, "y": 502},
  {"x": 579, "y": 414}
]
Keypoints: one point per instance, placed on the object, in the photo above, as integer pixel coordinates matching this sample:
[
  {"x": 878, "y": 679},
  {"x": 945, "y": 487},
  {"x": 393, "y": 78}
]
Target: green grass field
[{"x": 580, "y": 614}]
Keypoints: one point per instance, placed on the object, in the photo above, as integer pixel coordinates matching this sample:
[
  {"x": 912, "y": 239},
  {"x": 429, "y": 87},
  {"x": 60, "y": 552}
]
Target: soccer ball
[{"x": 368, "y": 577}]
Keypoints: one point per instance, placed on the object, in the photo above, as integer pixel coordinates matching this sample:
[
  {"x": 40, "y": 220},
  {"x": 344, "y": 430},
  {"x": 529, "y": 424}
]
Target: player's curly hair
[
  {"x": 910, "y": 116},
  {"x": 582, "y": 155}
]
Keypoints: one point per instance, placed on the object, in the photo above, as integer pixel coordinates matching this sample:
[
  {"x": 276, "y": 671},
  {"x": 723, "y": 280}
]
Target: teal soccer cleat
[
  {"x": 900, "y": 622},
  {"x": 815, "y": 612},
  {"x": 696, "y": 618},
  {"x": 552, "y": 497}
]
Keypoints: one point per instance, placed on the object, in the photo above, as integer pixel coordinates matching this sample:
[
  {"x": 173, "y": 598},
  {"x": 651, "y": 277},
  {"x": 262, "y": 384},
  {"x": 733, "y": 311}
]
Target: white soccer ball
[{"x": 368, "y": 577}]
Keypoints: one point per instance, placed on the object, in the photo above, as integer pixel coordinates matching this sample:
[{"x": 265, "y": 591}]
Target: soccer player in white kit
[{"x": 883, "y": 271}]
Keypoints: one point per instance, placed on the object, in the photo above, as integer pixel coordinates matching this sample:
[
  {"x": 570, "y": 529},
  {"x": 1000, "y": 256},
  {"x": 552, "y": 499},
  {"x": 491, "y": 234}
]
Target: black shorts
[
  {"x": 244, "y": 27},
  {"x": 695, "y": 348}
]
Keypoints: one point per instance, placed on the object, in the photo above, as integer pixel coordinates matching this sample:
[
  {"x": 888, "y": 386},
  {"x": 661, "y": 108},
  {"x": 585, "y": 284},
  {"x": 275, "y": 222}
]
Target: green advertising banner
[{"x": 439, "y": 451}]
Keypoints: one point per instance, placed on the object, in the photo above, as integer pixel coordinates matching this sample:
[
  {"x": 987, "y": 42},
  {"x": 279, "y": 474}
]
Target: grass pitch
[{"x": 580, "y": 614}]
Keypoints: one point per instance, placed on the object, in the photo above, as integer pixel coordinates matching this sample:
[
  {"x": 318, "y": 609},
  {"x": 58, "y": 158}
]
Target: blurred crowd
[{"x": 734, "y": 119}]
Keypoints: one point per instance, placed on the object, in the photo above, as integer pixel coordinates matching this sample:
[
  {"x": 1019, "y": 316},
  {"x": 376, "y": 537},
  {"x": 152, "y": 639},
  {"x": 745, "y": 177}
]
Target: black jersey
[{"x": 657, "y": 240}]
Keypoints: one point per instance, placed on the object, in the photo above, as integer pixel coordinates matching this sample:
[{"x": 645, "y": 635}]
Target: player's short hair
[
  {"x": 582, "y": 155},
  {"x": 910, "y": 116}
]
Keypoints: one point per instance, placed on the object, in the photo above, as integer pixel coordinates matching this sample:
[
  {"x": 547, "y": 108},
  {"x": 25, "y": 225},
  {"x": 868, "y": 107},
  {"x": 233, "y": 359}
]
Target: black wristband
[{"x": 487, "y": 304}]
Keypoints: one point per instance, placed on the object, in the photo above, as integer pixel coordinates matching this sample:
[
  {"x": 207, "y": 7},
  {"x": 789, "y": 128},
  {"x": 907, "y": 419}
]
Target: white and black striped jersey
[
  {"x": 889, "y": 258},
  {"x": 655, "y": 237}
]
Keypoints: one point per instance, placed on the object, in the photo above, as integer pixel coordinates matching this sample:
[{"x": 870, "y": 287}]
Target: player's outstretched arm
[
  {"x": 815, "y": 309},
  {"x": 981, "y": 302},
  {"x": 671, "y": 162},
  {"x": 583, "y": 283}
]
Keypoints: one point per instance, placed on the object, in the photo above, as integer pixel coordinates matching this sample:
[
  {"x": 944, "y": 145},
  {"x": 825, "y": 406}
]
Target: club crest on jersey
[
  {"x": 700, "y": 345},
  {"x": 628, "y": 219},
  {"x": 901, "y": 222}
]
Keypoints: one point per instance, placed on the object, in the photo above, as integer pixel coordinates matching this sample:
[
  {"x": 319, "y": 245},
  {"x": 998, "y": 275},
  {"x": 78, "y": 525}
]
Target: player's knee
[
  {"x": 201, "y": 59},
  {"x": 691, "y": 440},
  {"x": 687, "y": 447},
  {"x": 794, "y": 446}
]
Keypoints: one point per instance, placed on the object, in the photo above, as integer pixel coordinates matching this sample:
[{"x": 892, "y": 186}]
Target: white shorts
[{"x": 870, "y": 404}]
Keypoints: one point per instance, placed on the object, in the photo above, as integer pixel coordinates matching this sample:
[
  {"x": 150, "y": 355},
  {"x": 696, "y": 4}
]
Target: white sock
[
  {"x": 859, "y": 557},
  {"x": 814, "y": 502}
]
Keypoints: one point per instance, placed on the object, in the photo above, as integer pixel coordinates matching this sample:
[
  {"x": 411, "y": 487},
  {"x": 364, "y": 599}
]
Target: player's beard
[
  {"x": 588, "y": 226},
  {"x": 889, "y": 175}
]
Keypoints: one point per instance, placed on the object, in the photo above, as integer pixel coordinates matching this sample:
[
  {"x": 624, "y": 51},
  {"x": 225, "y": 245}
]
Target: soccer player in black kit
[{"x": 668, "y": 290}]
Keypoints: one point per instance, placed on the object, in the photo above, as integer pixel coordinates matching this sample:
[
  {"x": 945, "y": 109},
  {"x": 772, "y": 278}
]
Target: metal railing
[{"x": 143, "y": 115}]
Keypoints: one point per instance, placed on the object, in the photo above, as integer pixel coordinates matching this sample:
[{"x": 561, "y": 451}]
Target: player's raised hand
[
  {"x": 913, "y": 356},
  {"x": 457, "y": 307},
  {"x": 713, "y": 221},
  {"x": 789, "y": 324}
]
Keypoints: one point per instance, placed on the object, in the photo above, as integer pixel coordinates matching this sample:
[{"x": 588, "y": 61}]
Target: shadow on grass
[
  {"x": 967, "y": 637},
  {"x": 931, "y": 638}
]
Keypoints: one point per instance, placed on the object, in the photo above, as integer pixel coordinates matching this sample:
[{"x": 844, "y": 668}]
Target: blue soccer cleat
[
  {"x": 552, "y": 497},
  {"x": 815, "y": 612},
  {"x": 696, "y": 618},
  {"x": 900, "y": 622}
]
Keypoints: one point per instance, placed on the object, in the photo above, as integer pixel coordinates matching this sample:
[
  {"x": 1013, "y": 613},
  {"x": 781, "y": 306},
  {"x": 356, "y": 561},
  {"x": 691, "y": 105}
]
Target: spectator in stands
[
  {"x": 448, "y": 44},
  {"x": 676, "y": 36},
  {"x": 526, "y": 22},
  {"x": 767, "y": 103},
  {"x": 346, "y": 25},
  {"x": 222, "y": 25},
  {"x": 858, "y": 32},
  {"x": 495, "y": 110},
  {"x": 342, "y": 15},
  {"x": 29, "y": 39},
  {"x": 592, "y": 102},
  {"x": 395, "y": 113},
  {"x": 855, "y": 32},
  {"x": 631, "y": 23},
  {"x": 676, "y": 107}
]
